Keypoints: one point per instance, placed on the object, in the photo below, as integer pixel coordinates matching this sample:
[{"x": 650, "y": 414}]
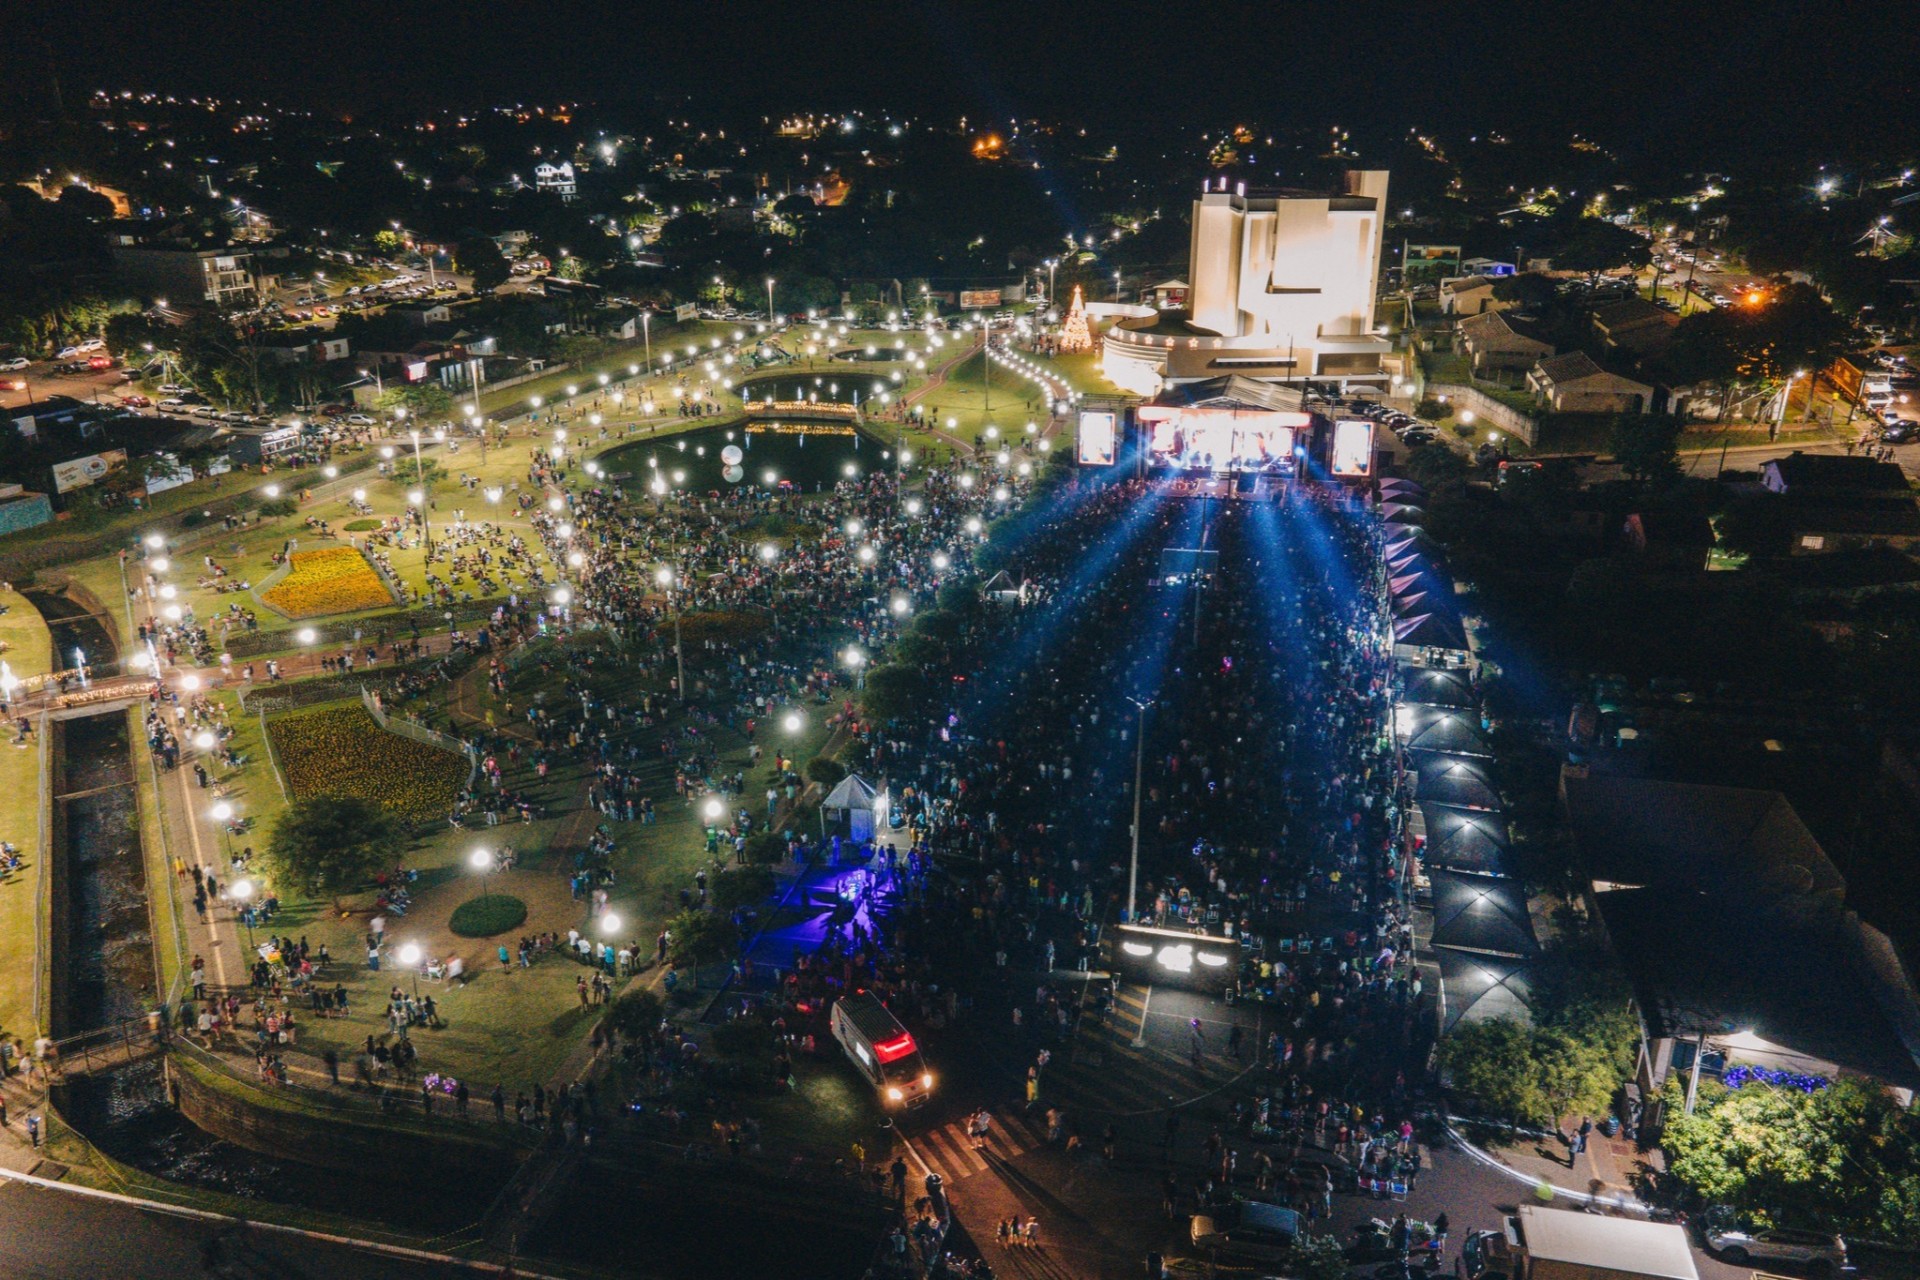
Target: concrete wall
[
  {"x": 456, "y": 1150},
  {"x": 1495, "y": 414}
]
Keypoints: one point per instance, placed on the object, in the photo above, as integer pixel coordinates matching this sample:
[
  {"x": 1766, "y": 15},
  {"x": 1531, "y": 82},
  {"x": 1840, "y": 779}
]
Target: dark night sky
[{"x": 1644, "y": 75}]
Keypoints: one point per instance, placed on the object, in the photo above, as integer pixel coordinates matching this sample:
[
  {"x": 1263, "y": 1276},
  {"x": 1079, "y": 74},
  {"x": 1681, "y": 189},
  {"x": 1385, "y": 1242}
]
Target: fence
[
  {"x": 1495, "y": 413},
  {"x": 128, "y": 1040},
  {"x": 420, "y": 733}
]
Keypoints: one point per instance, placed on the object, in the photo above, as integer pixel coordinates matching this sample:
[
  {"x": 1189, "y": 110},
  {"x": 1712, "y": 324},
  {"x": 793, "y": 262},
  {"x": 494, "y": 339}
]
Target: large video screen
[
  {"x": 1353, "y": 448},
  {"x": 1191, "y": 437},
  {"x": 1099, "y": 436}
]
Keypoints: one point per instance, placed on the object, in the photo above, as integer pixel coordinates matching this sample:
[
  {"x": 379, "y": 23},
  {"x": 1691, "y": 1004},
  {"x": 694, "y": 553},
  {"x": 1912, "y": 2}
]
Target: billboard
[
  {"x": 81, "y": 472},
  {"x": 974, "y": 299},
  {"x": 1353, "y": 448},
  {"x": 1099, "y": 437},
  {"x": 1191, "y": 436}
]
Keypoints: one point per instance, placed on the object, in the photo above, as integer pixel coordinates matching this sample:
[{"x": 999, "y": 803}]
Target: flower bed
[
  {"x": 332, "y": 580},
  {"x": 341, "y": 751}
]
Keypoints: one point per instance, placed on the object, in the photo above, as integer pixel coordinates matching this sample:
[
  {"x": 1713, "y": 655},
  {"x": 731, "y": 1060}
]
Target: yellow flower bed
[
  {"x": 341, "y": 751},
  {"x": 333, "y": 580}
]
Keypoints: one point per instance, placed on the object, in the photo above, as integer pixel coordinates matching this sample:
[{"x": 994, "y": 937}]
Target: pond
[
  {"x": 879, "y": 355},
  {"x": 809, "y": 455},
  {"x": 802, "y": 384}
]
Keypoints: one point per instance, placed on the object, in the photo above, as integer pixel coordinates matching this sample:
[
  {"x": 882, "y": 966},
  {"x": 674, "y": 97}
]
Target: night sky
[{"x": 1648, "y": 75}]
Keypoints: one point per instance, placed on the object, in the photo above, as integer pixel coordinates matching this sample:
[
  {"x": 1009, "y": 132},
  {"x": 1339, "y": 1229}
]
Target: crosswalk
[
  {"x": 949, "y": 1151},
  {"x": 1108, "y": 1068}
]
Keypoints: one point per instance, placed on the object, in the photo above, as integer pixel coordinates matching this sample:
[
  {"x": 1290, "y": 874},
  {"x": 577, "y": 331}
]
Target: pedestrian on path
[{"x": 33, "y": 1128}]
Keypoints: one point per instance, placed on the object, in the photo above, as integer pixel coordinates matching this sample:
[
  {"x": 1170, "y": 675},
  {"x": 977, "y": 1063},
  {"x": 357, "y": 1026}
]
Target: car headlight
[
  {"x": 926, "y": 1080},
  {"x": 894, "y": 1094}
]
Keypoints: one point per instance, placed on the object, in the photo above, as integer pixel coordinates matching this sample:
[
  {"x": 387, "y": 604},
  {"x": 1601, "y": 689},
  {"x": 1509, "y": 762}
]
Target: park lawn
[
  {"x": 25, "y": 642},
  {"x": 24, "y": 895}
]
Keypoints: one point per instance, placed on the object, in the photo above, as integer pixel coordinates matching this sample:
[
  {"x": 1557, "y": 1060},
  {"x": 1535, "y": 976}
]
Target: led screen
[
  {"x": 1353, "y": 448},
  {"x": 1221, "y": 439},
  {"x": 1098, "y": 436}
]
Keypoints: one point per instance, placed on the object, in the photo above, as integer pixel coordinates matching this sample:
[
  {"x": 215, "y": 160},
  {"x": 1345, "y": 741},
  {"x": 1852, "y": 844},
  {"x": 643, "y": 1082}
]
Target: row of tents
[{"x": 1482, "y": 930}]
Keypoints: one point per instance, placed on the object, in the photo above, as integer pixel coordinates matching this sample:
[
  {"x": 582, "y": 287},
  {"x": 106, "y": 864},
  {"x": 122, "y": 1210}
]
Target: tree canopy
[{"x": 334, "y": 844}]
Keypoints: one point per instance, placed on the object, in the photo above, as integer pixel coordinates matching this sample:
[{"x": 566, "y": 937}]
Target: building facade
[
  {"x": 1281, "y": 287},
  {"x": 222, "y": 278}
]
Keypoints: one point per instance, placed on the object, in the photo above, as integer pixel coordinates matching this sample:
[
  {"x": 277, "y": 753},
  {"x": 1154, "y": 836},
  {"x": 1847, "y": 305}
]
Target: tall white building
[{"x": 1282, "y": 288}]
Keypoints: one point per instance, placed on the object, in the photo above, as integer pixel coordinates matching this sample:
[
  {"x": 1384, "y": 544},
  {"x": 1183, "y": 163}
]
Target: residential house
[
  {"x": 556, "y": 178},
  {"x": 1633, "y": 325},
  {"x": 1573, "y": 383},
  {"x": 188, "y": 277},
  {"x": 423, "y": 314},
  {"x": 306, "y": 347},
  {"x": 1839, "y": 503},
  {"x": 1468, "y": 296},
  {"x": 1497, "y": 340}
]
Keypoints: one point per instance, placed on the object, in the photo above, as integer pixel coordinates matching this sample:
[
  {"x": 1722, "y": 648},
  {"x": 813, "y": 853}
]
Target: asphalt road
[{"x": 62, "y": 1236}]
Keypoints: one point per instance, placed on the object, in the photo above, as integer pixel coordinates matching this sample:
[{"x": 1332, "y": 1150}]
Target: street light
[
  {"x": 481, "y": 860},
  {"x": 1139, "y": 765},
  {"x": 609, "y": 924},
  {"x": 241, "y": 892},
  {"x": 409, "y": 955}
]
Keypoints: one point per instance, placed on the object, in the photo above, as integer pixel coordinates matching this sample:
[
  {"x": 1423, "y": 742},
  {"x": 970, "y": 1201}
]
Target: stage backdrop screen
[
  {"x": 1222, "y": 439},
  {"x": 1099, "y": 433},
  {"x": 1353, "y": 448}
]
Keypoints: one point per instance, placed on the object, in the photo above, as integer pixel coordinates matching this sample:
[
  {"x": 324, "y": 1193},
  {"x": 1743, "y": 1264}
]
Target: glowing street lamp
[{"x": 481, "y": 860}]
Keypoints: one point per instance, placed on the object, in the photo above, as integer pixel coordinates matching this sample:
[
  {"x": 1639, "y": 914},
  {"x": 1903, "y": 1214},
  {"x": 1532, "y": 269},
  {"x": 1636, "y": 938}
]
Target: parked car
[
  {"x": 359, "y": 420},
  {"x": 1248, "y": 1229},
  {"x": 18, "y": 362},
  {"x": 173, "y": 402},
  {"x": 1900, "y": 432},
  {"x": 99, "y": 362},
  {"x": 1821, "y": 1252},
  {"x": 136, "y": 402}
]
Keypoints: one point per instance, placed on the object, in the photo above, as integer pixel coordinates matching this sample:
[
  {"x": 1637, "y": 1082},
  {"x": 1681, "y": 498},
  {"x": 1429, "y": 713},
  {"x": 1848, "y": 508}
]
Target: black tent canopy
[
  {"x": 1476, "y": 987},
  {"x": 1465, "y": 839},
  {"x": 1474, "y": 912},
  {"x": 1438, "y": 687}
]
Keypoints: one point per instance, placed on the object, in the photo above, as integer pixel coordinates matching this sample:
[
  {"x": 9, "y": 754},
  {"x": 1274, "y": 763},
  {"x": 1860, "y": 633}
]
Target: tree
[
  {"x": 741, "y": 887},
  {"x": 1434, "y": 465},
  {"x": 423, "y": 401},
  {"x": 333, "y": 844},
  {"x": 1529, "y": 291},
  {"x": 825, "y": 770},
  {"x": 387, "y": 242},
  {"x": 1839, "y": 1156},
  {"x": 1317, "y": 1258},
  {"x": 571, "y": 267},
  {"x": 1594, "y": 245},
  {"x": 1646, "y": 445},
  {"x": 892, "y": 691},
  {"x": 697, "y": 937},
  {"x": 480, "y": 257},
  {"x": 637, "y": 1016}
]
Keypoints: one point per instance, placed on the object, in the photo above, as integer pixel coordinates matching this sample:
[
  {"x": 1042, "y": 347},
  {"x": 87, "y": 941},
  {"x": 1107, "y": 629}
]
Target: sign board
[
  {"x": 81, "y": 472},
  {"x": 975, "y": 299},
  {"x": 1353, "y": 448},
  {"x": 1175, "y": 958},
  {"x": 686, "y": 311},
  {"x": 1098, "y": 437}
]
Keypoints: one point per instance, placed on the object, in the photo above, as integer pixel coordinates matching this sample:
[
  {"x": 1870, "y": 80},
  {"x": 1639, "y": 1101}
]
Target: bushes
[
  {"x": 277, "y": 508},
  {"x": 1430, "y": 409},
  {"x": 487, "y": 915}
]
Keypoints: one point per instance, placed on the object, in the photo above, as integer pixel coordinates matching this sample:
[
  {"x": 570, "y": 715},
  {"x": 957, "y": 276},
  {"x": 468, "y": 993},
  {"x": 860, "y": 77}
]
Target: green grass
[
  {"x": 25, "y": 642},
  {"x": 25, "y": 893}
]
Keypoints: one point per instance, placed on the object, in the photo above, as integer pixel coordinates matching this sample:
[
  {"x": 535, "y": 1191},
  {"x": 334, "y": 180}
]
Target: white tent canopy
[{"x": 856, "y": 799}]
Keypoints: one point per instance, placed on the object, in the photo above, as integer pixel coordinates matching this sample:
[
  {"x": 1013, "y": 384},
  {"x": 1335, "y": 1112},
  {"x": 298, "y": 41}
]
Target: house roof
[
  {"x": 1641, "y": 831},
  {"x": 1467, "y": 284},
  {"x": 1571, "y": 367},
  {"x": 1831, "y": 471},
  {"x": 1630, "y": 313},
  {"x": 1883, "y": 518},
  {"x": 1491, "y": 326}
]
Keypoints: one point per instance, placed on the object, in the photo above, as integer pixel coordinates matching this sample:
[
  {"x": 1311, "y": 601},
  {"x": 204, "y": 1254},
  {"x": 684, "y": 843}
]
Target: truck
[
  {"x": 881, "y": 1050},
  {"x": 1861, "y": 381},
  {"x": 1558, "y": 1244}
]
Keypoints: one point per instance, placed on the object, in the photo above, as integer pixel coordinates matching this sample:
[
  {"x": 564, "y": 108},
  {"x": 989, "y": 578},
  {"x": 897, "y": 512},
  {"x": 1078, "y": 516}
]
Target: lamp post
[
  {"x": 1139, "y": 768},
  {"x": 409, "y": 955},
  {"x": 665, "y": 578},
  {"x": 223, "y": 814},
  {"x": 242, "y": 893},
  {"x": 481, "y": 860},
  {"x": 769, "y": 299}
]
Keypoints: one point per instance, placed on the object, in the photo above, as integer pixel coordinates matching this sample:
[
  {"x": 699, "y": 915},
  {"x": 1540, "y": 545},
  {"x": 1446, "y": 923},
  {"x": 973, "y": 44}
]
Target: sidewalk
[{"x": 1603, "y": 1173}]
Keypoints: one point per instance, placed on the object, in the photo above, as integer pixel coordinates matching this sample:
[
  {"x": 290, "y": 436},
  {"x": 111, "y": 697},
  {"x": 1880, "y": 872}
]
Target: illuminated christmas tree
[{"x": 1074, "y": 335}]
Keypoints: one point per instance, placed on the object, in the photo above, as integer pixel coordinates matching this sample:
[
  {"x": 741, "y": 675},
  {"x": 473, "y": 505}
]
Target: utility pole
[{"x": 1139, "y": 768}]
